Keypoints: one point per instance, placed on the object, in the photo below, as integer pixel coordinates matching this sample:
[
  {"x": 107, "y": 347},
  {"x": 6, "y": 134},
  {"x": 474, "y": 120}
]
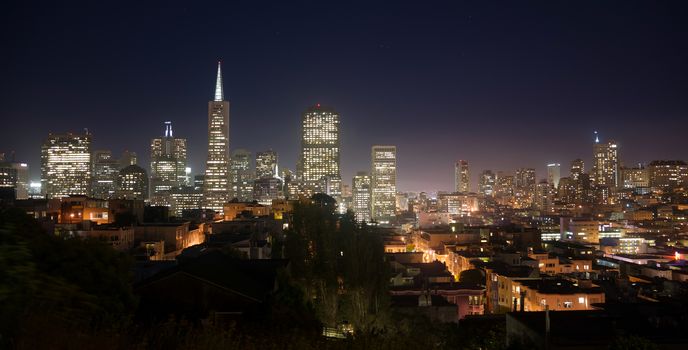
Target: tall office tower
[
  {"x": 487, "y": 182},
  {"x": 14, "y": 175},
  {"x": 553, "y": 174},
  {"x": 128, "y": 158},
  {"x": 635, "y": 177},
  {"x": 66, "y": 165},
  {"x": 240, "y": 176},
  {"x": 8, "y": 176},
  {"x": 504, "y": 186},
  {"x": 319, "y": 168},
  {"x": 577, "y": 168},
  {"x": 361, "y": 196},
  {"x": 216, "y": 182},
  {"x": 266, "y": 164},
  {"x": 566, "y": 192},
  {"x": 605, "y": 164},
  {"x": 383, "y": 183},
  {"x": 22, "y": 187},
  {"x": 525, "y": 187},
  {"x": 105, "y": 171},
  {"x": 666, "y": 175},
  {"x": 168, "y": 166},
  {"x": 543, "y": 195},
  {"x": 132, "y": 183},
  {"x": 462, "y": 177}
]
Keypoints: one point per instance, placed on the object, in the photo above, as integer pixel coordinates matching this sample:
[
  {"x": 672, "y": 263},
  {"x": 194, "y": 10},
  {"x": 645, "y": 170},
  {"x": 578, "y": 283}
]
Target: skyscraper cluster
[{"x": 71, "y": 167}]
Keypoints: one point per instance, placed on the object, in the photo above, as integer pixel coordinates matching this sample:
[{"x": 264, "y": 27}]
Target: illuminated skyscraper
[
  {"x": 543, "y": 195},
  {"x": 577, "y": 168},
  {"x": 361, "y": 196},
  {"x": 525, "y": 187},
  {"x": 216, "y": 182},
  {"x": 605, "y": 165},
  {"x": 168, "y": 165},
  {"x": 105, "y": 171},
  {"x": 241, "y": 176},
  {"x": 66, "y": 165},
  {"x": 504, "y": 186},
  {"x": 487, "y": 182},
  {"x": 319, "y": 168},
  {"x": 553, "y": 174},
  {"x": 266, "y": 164},
  {"x": 383, "y": 183},
  {"x": 462, "y": 177}
]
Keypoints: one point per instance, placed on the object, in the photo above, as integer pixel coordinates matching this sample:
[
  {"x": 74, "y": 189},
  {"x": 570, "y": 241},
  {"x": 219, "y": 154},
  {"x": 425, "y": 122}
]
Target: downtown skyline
[{"x": 456, "y": 97}]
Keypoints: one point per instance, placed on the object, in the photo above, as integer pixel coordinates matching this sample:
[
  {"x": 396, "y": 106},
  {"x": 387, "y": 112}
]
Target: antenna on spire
[
  {"x": 597, "y": 137},
  {"x": 219, "y": 95}
]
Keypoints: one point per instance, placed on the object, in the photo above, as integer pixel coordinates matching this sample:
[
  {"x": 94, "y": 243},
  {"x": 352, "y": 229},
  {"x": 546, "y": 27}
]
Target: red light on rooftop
[{"x": 317, "y": 105}]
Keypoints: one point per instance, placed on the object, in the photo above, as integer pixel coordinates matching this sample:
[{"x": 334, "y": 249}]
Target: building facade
[
  {"x": 487, "y": 182},
  {"x": 266, "y": 164},
  {"x": 383, "y": 183},
  {"x": 605, "y": 166},
  {"x": 241, "y": 176},
  {"x": 132, "y": 183},
  {"x": 319, "y": 168},
  {"x": 553, "y": 174},
  {"x": 462, "y": 176},
  {"x": 105, "y": 171},
  {"x": 168, "y": 165},
  {"x": 361, "y": 196},
  {"x": 668, "y": 174},
  {"x": 66, "y": 165}
]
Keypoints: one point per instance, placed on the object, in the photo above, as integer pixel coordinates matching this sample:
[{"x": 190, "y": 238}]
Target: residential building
[{"x": 462, "y": 176}]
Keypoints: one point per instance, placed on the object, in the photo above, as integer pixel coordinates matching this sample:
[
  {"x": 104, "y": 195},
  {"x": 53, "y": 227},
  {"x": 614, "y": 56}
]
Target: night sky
[{"x": 503, "y": 84}]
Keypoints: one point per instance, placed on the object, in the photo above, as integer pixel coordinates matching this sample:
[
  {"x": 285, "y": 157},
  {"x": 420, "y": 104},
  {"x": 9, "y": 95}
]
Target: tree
[
  {"x": 53, "y": 284},
  {"x": 473, "y": 276}
]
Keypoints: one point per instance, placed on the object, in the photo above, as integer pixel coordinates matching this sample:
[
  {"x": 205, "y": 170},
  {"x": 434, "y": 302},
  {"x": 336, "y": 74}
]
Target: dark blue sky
[{"x": 503, "y": 84}]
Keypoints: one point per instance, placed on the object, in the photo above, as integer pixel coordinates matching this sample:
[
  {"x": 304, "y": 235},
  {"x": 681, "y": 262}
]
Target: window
[
  {"x": 581, "y": 300},
  {"x": 568, "y": 304}
]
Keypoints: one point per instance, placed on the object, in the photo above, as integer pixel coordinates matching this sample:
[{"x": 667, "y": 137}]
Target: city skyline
[
  {"x": 281, "y": 175},
  {"x": 449, "y": 92}
]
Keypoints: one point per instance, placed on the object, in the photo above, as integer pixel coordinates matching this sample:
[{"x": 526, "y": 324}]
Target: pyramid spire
[{"x": 219, "y": 96}]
